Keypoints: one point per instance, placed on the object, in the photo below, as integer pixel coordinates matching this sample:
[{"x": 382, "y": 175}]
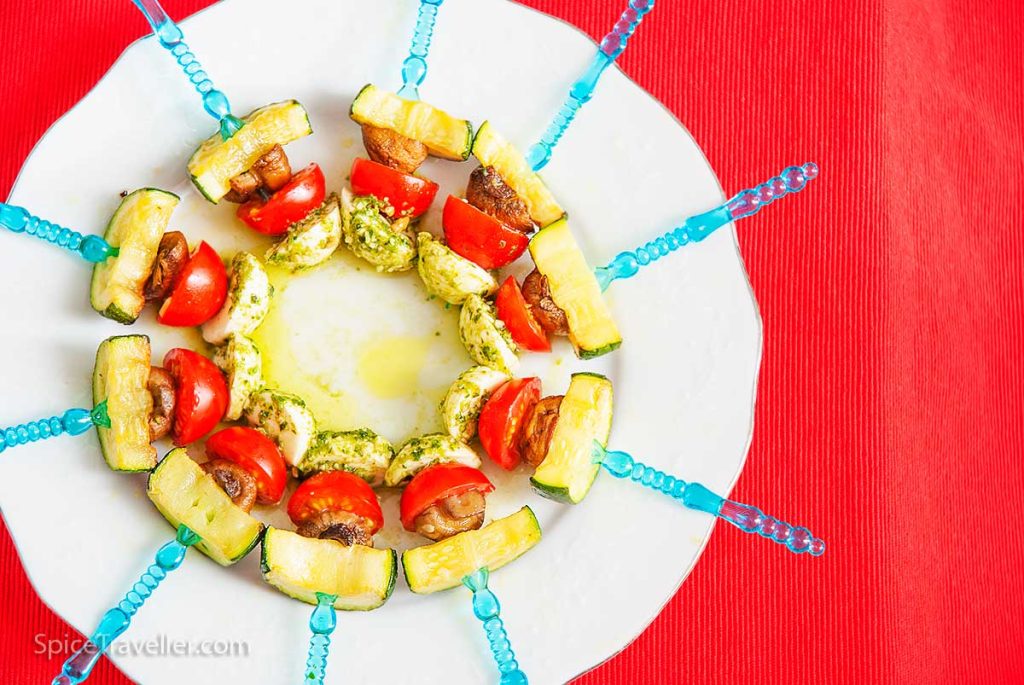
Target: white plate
[{"x": 684, "y": 379}]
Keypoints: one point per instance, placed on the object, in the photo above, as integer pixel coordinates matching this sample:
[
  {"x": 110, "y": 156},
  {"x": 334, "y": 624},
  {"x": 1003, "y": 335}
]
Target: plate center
[{"x": 363, "y": 349}]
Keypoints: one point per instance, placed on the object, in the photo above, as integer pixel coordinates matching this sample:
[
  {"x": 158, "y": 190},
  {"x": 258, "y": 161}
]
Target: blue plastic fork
[
  {"x": 488, "y": 610},
  {"x": 611, "y": 46},
  {"x": 414, "y": 68},
  {"x": 91, "y": 248},
  {"x": 80, "y": 664},
  {"x": 322, "y": 623},
  {"x": 746, "y": 203},
  {"x": 72, "y": 422},
  {"x": 170, "y": 36},
  {"x": 695, "y": 496}
]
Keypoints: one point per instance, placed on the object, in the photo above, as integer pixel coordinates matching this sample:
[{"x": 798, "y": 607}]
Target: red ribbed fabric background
[{"x": 890, "y": 416}]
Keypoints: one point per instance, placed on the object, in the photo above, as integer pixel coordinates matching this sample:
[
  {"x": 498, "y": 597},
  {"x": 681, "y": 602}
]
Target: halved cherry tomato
[
  {"x": 199, "y": 290},
  {"x": 502, "y": 417},
  {"x": 300, "y": 196},
  {"x": 257, "y": 454},
  {"x": 201, "y": 394},
  {"x": 520, "y": 323},
  {"x": 335, "y": 491},
  {"x": 479, "y": 237},
  {"x": 409, "y": 195},
  {"x": 434, "y": 483}
]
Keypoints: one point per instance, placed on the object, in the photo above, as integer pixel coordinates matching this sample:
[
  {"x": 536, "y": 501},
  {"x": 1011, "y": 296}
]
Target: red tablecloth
[{"x": 890, "y": 415}]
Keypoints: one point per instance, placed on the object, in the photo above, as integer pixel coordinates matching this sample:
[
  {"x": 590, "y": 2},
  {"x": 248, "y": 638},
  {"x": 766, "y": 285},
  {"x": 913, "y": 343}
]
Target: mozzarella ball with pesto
[
  {"x": 450, "y": 276},
  {"x": 361, "y": 452},
  {"x": 461, "y": 405},
  {"x": 241, "y": 362},
  {"x": 485, "y": 336},
  {"x": 372, "y": 237},
  {"x": 285, "y": 419},
  {"x": 312, "y": 241},
  {"x": 421, "y": 452},
  {"x": 247, "y": 303}
]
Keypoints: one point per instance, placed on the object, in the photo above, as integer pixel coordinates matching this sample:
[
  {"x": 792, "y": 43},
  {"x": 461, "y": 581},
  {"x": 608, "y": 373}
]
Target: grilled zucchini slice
[
  {"x": 135, "y": 229},
  {"x": 217, "y": 161},
  {"x": 444, "y": 135}
]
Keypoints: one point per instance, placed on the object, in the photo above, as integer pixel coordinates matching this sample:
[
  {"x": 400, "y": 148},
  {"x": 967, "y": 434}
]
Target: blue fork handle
[
  {"x": 322, "y": 623},
  {"x": 414, "y": 68},
  {"x": 80, "y": 664},
  {"x": 171, "y": 37},
  {"x": 92, "y": 248},
  {"x": 695, "y": 496},
  {"x": 72, "y": 422},
  {"x": 487, "y": 609},
  {"x": 745, "y": 203},
  {"x": 582, "y": 90}
]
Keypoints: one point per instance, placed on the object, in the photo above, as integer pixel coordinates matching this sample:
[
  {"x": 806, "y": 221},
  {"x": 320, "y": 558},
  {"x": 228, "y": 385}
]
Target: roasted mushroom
[
  {"x": 238, "y": 483},
  {"x": 538, "y": 298},
  {"x": 161, "y": 387},
  {"x": 171, "y": 257},
  {"x": 345, "y": 527},
  {"x": 273, "y": 169},
  {"x": 242, "y": 187},
  {"x": 270, "y": 173},
  {"x": 489, "y": 193},
  {"x": 393, "y": 149},
  {"x": 452, "y": 515},
  {"x": 539, "y": 426}
]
